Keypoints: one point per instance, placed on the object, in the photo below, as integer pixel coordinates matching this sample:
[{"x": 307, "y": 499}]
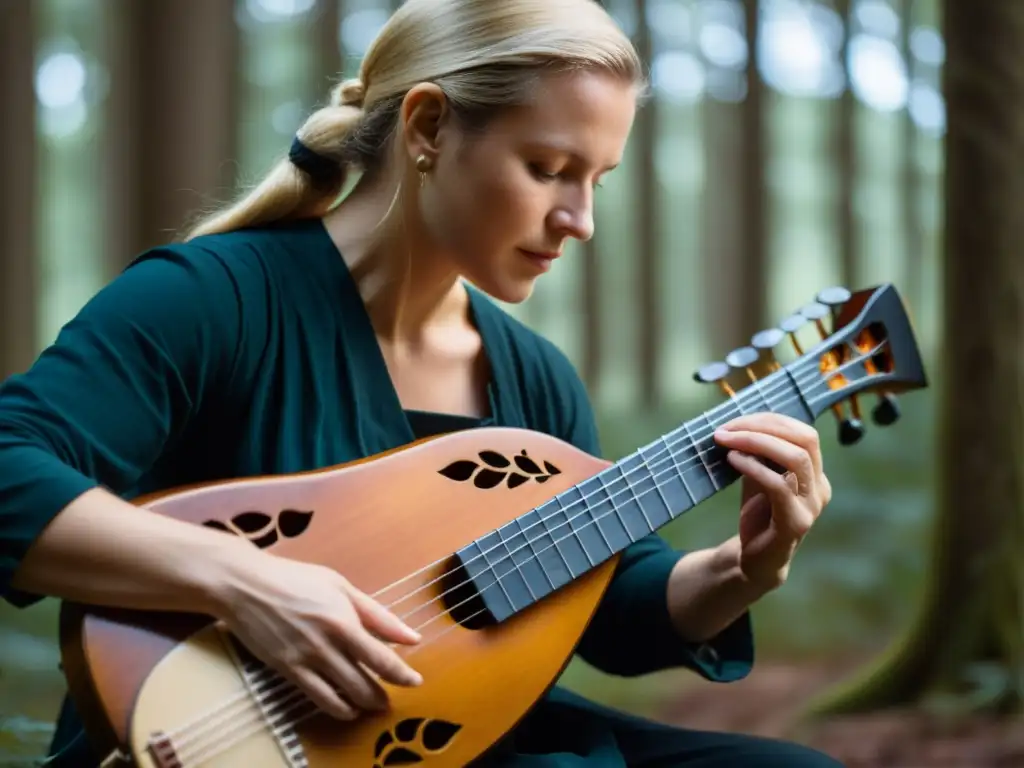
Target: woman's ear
[{"x": 423, "y": 115}]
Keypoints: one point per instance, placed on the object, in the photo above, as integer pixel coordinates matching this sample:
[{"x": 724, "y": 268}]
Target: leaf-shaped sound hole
[
  {"x": 460, "y": 471},
  {"x": 292, "y": 522},
  {"x": 268, "y": 539},
  {"x": 494, "y": 467},
  {"x": 406, "y": 729},
  {"x": 263, "y": 530},
  {"x": 383, "y": 741},
  {"x": 412, "y": 740},
  {"x": 528, "y": 465},
  {"x": 494, "y": 459},
  {"x": 438, "y": 734},
  {"x": 251, "y": 522},
  {"x": 488, "y": 478}
]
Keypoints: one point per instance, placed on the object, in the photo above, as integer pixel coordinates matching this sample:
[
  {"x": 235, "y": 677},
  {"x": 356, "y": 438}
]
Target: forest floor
[{"x": 769, "y": 703}]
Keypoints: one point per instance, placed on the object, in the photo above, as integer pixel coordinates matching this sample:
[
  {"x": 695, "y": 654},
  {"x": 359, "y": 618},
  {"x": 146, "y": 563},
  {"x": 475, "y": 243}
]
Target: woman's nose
[{"x": 576, "y": 221}]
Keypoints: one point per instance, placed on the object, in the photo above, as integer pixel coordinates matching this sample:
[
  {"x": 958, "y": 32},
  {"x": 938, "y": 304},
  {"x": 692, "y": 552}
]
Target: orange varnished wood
[
  {"x": 379, "y": 521},
  {"x": 376, "y": 521}
]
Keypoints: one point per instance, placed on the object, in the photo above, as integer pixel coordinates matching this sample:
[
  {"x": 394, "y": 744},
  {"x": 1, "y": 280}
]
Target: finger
[
  {"x": 755, "y": 516},
  {"x": 791, "y": 517},
  {"x": 380, "y": 658},
  {"x": 787, "y": 455},
  {"x": 353, "y": 682},
  {"x": 772, "y": 483},
  {"x": 781, "y": 426},
  {"x": 825, "y": 490},
  {"x": 380, "y": 620},
  {"x": 322, "y": 694}
]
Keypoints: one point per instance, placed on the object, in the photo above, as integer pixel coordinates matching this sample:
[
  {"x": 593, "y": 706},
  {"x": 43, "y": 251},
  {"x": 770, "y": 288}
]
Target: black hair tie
[{"x": 321, "y": 169}]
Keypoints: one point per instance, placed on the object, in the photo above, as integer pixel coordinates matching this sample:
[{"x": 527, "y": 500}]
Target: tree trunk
[
  {"x": 172, "y": 117},
  {"x": 913, "y": 239},
  {"x": 735, "y": 240},
  {"x": 648, "y": 239},
  {"x": 966, "y": 648},
  {"x": 18, "y": 191},
  {"x": 329, "y": 69},
  {"x": 846, "y": 158},
  {"x": 751, "y": 305}
]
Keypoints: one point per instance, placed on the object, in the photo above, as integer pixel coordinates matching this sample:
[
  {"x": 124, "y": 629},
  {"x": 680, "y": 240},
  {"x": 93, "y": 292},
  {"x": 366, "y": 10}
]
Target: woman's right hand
[{"x": 315, "y": 628}]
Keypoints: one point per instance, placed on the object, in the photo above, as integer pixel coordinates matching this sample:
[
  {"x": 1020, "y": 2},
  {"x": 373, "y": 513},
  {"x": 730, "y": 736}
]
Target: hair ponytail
[{"x": 307, "y": 182}]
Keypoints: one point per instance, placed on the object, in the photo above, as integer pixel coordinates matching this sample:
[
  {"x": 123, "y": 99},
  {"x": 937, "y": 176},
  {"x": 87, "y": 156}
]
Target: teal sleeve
[
  {"x": 631, "y": 632},
  {"x": 118, "y": 385}
]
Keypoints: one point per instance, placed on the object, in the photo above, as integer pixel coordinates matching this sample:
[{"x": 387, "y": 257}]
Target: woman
[{"x": 291, "y": 332}]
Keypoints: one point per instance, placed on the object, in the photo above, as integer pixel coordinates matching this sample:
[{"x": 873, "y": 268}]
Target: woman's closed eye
[
  {"x": 546, "y": 175},
  {"x": 542, "y": 173}
]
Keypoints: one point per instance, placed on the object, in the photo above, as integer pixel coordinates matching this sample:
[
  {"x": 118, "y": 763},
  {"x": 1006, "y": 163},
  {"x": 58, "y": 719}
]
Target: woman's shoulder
[
  {"x": 255, "y": 252},
  {"x": 244, "y": 272}
]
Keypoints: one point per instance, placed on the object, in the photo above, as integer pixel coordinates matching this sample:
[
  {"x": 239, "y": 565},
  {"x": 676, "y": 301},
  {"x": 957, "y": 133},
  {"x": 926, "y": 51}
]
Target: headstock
[{"x": 866, "y": 345}]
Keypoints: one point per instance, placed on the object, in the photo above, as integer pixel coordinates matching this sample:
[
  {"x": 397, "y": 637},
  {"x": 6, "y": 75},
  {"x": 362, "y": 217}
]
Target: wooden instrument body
[
  {"x": 391, "y": 523},
  {"x": 375, "y": 521}
]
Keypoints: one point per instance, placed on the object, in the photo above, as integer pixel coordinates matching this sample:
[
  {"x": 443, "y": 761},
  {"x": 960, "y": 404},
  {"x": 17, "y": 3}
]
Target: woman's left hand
[{"x": 777, "y": 510}]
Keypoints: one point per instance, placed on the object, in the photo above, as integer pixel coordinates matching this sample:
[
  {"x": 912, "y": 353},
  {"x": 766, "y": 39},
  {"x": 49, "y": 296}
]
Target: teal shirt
[{"x": 251, "y": 353}]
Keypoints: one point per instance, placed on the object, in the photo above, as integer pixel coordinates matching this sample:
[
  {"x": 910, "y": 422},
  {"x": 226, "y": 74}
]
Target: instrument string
[
  {"x": 666, "y": 445},
  {"x": 282, "y": 692},
  {"x": 256, "y": 714}
]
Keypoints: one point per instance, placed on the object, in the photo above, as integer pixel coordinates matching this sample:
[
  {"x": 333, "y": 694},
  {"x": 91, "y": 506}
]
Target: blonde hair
[{"x": 485, "y": 55}]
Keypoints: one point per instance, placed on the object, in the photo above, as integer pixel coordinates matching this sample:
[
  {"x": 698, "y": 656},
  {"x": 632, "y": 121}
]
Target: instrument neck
[{"x": 585, "y": 525}]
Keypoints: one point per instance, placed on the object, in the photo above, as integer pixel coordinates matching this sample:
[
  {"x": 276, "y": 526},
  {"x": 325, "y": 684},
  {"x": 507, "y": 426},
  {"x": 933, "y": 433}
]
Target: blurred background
[{"x": 791, "y": 145}]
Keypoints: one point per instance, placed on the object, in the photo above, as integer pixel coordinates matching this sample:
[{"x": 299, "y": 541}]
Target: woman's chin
[
  {"x": 507, "y": 289},
  {"x": 515, "y": 292}
]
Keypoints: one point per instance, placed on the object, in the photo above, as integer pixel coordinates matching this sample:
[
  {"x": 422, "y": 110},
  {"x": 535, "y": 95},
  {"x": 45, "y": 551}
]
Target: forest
[{"x": 791, "y": 146}]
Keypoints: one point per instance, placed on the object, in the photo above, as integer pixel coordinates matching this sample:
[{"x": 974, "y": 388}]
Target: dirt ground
[{"x": 768, "y": 701}]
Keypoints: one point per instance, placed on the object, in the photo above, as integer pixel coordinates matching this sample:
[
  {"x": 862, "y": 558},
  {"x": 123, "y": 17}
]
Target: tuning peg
[
  {"x": 834, "y": 298},
  {"x": 850, "y": 431},
  {"x": 715, "y": 373},
  {"x": 742, "y": 359},
  {"x": 887, "y": 411},
  {"x": 765, "y": 342},
  {"x": 851, "y": 428},
  {"x": 814, "y": 312},
  {"x": 790, "y": 326}
]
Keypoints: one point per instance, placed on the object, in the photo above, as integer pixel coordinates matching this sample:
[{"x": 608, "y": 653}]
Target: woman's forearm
[
  {"x": 707, "y": 591},
  {"x": 101, "y": 550}
]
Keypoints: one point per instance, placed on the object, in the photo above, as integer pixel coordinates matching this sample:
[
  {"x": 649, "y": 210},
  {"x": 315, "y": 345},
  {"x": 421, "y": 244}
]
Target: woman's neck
[{"x": 407, "y": 286}]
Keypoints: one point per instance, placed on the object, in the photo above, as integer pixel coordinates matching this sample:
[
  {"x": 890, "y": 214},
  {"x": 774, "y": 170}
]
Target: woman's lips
[{"x": 542, "y": 259}]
